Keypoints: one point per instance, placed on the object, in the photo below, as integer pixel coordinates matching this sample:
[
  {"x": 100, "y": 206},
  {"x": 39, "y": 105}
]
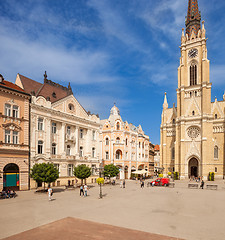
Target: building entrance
[
  {"x": 193, "y": 168},
  {"x": 11, "y": 177}
]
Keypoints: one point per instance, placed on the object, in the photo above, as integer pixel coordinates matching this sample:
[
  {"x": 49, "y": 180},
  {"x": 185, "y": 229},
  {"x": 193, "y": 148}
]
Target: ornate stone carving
[{"x": 193, "y": 132}]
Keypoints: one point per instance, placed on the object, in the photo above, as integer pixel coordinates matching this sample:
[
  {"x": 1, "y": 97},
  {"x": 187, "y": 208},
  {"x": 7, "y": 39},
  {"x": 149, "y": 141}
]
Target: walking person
[
  {"x": 124, "y": 183},
  {"x": 202, "y": 184},
  {"x": 142, "y": 184},
  {"x": 121, "y": 184},
  {"x": 85, "y": 190},
  {"x": 81, "y": 190},
  {"x": 50, "y": 193}
]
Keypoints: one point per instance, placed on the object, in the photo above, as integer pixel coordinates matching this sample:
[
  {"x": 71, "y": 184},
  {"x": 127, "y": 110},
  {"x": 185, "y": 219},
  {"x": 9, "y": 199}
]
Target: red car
[{"x": 160, "y": 182}]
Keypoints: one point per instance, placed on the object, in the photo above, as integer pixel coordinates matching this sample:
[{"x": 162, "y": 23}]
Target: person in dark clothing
[
  {"x": 81, "y": 190},
  {"x": 202, "y": 184},
  {"x": 142, "y": 184},
  {"x": 124, "y": 183}
]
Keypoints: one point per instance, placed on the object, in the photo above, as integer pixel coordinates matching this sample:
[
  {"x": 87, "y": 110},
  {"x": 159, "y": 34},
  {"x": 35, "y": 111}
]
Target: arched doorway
[
  {"x": 11, "y": 177},
  {"x": 193, "y": 168}
]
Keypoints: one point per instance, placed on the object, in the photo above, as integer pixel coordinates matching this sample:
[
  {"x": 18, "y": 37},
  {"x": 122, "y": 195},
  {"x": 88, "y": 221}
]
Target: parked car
[{"x": 161, "y": 182}]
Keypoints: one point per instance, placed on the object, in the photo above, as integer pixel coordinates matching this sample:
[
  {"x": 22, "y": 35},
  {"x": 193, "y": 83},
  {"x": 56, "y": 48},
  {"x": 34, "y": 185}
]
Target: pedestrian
[
  {"x": 81, "y": 190},
  {"x": 142, "y": 184},
  {"x": 124, "y": 183},
  {"x": 121, "y": 184},
  {"x": 202, "y": 184},
  {"x": 85, "y": 190},
  {"x": 50, "y": 193}
]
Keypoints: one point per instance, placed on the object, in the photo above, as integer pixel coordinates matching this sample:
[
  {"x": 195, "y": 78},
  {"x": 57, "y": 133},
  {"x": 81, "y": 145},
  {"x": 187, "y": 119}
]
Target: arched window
[
  {"x": 193, "y": 113},
  {"x": 93, "y": 152},
  {"x": 81, "y": 151},
  {"x": 143, "y": 145},
  {"x": 68, "y": 150},
  {"x": 193, "y": 74},
  {"x": 118, "y": 126},
  {"x": 106, "y": 141},
  {"x": 216, "y": 152},
  {"x": 126, "y": 141},
  {"x": 117, "y": 140},
  {"x": 215, "y": 116},
  {"x": 118, "y": 154},
  {"x": 40, "y": 147}
]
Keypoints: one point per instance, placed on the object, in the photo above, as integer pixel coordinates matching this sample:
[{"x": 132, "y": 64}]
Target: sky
[{"x": 111, "y": 51}]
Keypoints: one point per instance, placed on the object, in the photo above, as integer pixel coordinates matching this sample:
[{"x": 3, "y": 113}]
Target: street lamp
[{"x": 100, "y": 182}]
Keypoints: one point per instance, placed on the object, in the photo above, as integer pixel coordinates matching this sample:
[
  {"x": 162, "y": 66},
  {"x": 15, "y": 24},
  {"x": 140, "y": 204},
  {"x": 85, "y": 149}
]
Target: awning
[{"x": 141, "y": 172}]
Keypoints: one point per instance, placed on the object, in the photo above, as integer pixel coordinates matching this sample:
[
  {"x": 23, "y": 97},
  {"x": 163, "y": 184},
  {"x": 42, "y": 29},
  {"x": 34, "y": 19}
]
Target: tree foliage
[
  {"x": 82, "y": 172},
  {"x": 44, "y": 172},
  {"x": 110, "y": 170}
]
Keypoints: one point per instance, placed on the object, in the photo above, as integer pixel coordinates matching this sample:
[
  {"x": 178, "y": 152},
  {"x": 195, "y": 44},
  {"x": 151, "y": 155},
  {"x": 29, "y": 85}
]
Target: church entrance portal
[{"x": 193, "y": 168}]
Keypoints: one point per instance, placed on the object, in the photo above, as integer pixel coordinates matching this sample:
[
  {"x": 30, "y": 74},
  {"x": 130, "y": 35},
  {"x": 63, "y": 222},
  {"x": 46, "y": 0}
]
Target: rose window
[{"x": 193, "y": 132}]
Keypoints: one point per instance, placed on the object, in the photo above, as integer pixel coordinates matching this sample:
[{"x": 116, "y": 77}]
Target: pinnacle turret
[{"x": 193, "y": 19}]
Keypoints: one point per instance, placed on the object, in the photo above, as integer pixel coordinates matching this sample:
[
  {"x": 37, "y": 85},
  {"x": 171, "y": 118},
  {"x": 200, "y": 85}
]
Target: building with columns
[
  {"x": 14, "y": 136},
  {"x": 123, "y": 144},
  {"x": 61, "y": 131},
  {"x": 192, "y": 133}
]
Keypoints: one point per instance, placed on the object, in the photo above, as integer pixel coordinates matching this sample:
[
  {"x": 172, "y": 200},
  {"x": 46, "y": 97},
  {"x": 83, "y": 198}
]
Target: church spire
[
  {"x": 193, "y": 19},
  {"x": 165, "y": 104}
]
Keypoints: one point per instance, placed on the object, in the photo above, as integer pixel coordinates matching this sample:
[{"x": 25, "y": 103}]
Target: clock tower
[{"x": 188, "y": 137}]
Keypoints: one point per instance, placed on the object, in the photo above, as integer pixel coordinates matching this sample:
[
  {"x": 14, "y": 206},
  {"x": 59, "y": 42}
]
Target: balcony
[{"x": 70, "y": 138}]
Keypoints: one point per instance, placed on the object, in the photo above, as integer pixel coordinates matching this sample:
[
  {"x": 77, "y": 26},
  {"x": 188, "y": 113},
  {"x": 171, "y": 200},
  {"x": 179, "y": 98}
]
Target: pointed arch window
[
  {"x": 173, "y": 153},
  {"x": 106, "y": 141},
  {"x": 193, "y": 74},
  {"x": 216, "y": 152},
  {"x": 118, "y": 126}
]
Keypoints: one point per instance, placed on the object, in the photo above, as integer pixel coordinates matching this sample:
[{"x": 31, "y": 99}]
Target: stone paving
[{"x": 175, "y": 212}]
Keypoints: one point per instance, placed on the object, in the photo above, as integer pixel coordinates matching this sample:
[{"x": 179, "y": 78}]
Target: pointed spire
[
  {"x": 165, "y": 104},
  {"x": 193, "y": 19}
]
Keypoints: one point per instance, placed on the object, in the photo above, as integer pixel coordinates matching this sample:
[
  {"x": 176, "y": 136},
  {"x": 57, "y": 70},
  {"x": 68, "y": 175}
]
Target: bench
[
  {"x": 172, "y": 185},
  {"x": 211, "y": 186},
  {"x": 193, "y": 185}
]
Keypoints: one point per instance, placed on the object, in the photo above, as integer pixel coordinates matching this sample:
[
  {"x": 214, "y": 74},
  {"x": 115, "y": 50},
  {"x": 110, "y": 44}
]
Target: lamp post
[{"x": 100, "y": 175}]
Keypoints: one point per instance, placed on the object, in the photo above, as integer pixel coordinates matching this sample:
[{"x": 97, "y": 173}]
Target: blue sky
[{"x": 123, "y": 51}]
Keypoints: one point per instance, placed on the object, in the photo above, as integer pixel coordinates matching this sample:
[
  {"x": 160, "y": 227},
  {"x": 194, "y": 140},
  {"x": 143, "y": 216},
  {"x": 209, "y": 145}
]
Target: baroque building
[
  {"x": 192, "y": 134},
  {"x": 61, "y": 131},
  {"x": 14, "y": 136},
  {"x": 124, "y": 145}
]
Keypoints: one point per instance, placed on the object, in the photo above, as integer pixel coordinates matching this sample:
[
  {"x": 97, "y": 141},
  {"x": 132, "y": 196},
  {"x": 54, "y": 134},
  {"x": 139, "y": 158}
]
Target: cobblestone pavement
[
  {"x": 77, "y": 229},
  {"x": 176, "y": 212}
]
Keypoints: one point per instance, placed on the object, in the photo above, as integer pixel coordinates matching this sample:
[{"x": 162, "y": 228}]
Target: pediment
[
  {"x": 11, "y": 126},
  {"x": 193, "y": 106},
  {"x": 216, "y": 110},
  {"x": 193, "y": 151}
]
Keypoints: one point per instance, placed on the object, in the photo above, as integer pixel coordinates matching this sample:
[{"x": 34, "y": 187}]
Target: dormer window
[
  {"x": 54, "y": 94},
  {"x": 71, "y": 107}
]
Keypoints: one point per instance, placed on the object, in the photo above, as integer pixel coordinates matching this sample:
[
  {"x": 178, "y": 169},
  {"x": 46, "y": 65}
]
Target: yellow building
[
  {"x": 192, "y": 134},
  {"x": 123, "y": 144},
  {"x": 14, "y": 136}
]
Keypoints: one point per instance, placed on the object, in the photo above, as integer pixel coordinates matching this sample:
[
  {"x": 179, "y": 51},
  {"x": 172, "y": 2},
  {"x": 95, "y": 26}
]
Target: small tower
[{"x": 165, "y": 104}]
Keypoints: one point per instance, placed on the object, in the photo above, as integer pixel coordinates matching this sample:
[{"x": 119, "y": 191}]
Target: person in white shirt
[
  {"x": 85, "y": 190},
  {"x": 49, "y": 193}
]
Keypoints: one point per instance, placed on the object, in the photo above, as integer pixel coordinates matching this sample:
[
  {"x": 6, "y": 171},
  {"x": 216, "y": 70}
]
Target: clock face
[{"x": 193, "y": 53}]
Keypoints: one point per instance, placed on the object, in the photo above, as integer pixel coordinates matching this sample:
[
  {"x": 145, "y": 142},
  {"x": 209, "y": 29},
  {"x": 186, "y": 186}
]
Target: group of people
[
  {"x": 8, "y": 193},
  {"x": 83, "y": 190},
  {"x": 122, "y": 183}
]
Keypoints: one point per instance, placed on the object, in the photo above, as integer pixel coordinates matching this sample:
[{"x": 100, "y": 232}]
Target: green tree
[
  {"x": 44, "y": 172},
  {"x": 82, "y": 172},
  {"x": 110, "y": 170}
]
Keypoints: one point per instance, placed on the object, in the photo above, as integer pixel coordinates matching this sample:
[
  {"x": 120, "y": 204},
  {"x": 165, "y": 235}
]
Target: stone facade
[
  {"x": 62, "y": 132},
  {"x": 192, "y": 134},
  {"x": 14, "y": 136},
  {"x": 123, "y": 144}
]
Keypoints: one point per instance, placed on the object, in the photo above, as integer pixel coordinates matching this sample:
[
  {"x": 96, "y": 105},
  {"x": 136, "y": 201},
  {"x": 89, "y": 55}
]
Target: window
[
  {"x": 93, "y": 135},
  {"x": 193, "y": 75},
  {"x": 71, "y": 107},
  {"x": 106, "y": 155},
  {"x": 15, "y": 111},
  {"x": 126, "y": 155},
  {"x": 143, "y": 146},
  {"x": 193, "y": 113},
  {"x": 7, "y": 136},
  {"x": 68, "y": 150},
  {"x": 118, "y": 154},
  {"x": 40, "y": 147},
  {"x": 68, "y": 130},
  {"x": 70, "y": 170},
  {"x": 173, "y": 154},
  {"x": 126, "y": 141},
  {"x": 195, "y": 93},
  {"x": 118, "y": 126},
  {"x": 216, "y": 150},
  {"x": 53, "y": 149},
  {"x": 139, "y": 144},
  {"x": 56, "y": 165},
  {"x": 117, "y": 140},
  {"x": 93, "y": 152},
  {"x": 81, "y": 133},
  {"x": 81, "y": 151},
  {"x": 8, "y": 110},
  {"x": 53, "y": 127},
  {"x": 40, "y": 124},
  {"x": 15, "y": 137},
  {"x": 106, "y": 141},
  {"x": 215, "y": 116},
  {"x": 173, "y": 121},
  {"x": 215, "y": 169}
]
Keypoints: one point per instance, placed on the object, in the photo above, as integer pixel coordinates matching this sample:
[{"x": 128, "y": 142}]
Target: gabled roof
[
  {"x": 157, "y": 148},
  {"x": 50, "y": 90},
  {"x": 11, "y": 85}
]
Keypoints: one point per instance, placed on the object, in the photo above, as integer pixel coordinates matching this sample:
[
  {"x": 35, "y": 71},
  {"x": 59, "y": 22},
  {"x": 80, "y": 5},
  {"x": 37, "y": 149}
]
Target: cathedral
[{"x": 192, "y": 133}]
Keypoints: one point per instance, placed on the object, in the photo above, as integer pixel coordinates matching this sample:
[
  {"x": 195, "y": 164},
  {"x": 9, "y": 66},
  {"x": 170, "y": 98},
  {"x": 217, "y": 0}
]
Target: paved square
[{"x": 177, "y": 212}]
